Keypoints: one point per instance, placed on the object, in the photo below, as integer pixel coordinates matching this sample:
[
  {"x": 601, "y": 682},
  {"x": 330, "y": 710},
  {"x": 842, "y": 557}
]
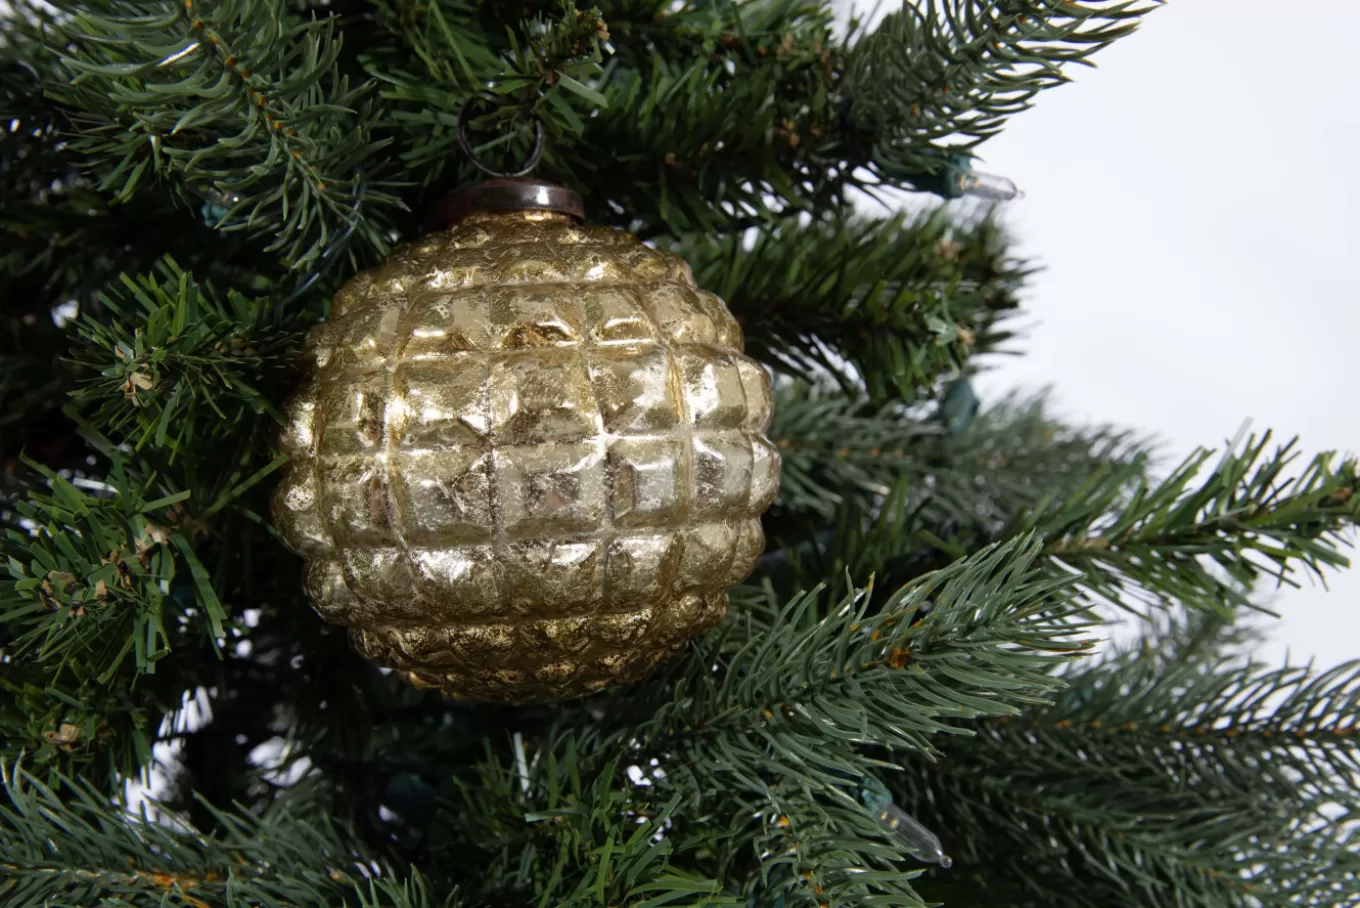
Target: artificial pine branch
[
  {"x": 172, "y": 363},
  {"x": 106, "y": 580},
  {"x": 66, "y": 845},
  {"x": 139, "y": 570},
  {"x": 570, "y": 833},
  {"x": 541, "y": 68},
  {"x": 749, "y": 720},
  {"x": 813, "y": 854},
  {"x": 736, "y": 112},
  {"x": 1129, "y": 540},
  {"x": 739, "y": 736},
  {"x": 958, "y": 69},
  {"x": 902, "y": 300},
  {"x": 674, "y": 133},
  {"x": 836, "y": 448},
  {"x": 1203, "y": 780},
  {"x": 98, "y": 589},
  {"x": 1198, "y": 538},
  {"x": 236, "y": 105},
  {"x": 861, "y": 490},
  {"x": 976, "y": 638}
]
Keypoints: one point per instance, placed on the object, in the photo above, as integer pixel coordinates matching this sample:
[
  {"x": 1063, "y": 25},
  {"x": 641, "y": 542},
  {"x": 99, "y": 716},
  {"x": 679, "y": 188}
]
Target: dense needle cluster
[{"x": 184, "y": 184}]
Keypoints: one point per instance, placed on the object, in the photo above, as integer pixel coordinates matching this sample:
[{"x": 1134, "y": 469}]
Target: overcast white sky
[{"x": 1194, "y": 200}]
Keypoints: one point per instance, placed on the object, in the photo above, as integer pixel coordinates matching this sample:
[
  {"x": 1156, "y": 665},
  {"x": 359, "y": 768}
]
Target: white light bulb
[
  {"x": 914, "y": 838},
  {"x": 988, "y": 186}
]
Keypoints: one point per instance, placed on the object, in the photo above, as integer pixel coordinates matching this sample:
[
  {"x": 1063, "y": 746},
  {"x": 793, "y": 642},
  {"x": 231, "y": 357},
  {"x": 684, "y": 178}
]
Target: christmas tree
[{"x": 910, "y": 701}]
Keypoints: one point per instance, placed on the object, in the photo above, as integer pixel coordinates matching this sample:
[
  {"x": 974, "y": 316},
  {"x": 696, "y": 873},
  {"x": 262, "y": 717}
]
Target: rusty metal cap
[{"x": 514, "y": 194}]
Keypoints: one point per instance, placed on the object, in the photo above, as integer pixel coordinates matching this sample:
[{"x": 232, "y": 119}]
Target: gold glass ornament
[{"x": 530, "y": 458}]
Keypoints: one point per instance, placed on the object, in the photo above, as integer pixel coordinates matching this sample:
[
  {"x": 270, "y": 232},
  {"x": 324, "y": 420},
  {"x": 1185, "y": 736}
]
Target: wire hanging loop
[{"x": 465, "y": 140}]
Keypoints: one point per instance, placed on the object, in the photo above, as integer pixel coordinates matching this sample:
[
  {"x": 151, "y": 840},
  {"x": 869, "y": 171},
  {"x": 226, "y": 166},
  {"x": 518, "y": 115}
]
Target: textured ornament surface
[{"x": 529, "y": 461}]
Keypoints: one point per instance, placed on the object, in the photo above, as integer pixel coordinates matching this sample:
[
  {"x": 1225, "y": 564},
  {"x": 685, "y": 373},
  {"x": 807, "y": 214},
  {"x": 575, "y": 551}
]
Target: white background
[{"x": 1194, "y": 201}]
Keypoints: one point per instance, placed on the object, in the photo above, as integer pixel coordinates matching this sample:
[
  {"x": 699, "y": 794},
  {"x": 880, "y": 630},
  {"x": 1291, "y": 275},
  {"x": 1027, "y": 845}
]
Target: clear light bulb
[
  {"x": 914, "y": 838},
  {"x": 987, "y": 186}
]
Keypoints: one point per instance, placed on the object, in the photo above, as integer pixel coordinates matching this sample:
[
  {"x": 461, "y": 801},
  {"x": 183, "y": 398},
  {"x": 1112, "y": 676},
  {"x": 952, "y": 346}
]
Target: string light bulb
[
  {"x": 956, "y": 178},
  {"x": 914, "y": 838},
  {"x": 907, "y": 831},
  {"x": 988, "y": 186}
]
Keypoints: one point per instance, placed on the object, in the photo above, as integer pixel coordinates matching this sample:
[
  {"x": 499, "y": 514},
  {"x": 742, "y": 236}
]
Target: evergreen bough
[{"x": 184, "y": 184}]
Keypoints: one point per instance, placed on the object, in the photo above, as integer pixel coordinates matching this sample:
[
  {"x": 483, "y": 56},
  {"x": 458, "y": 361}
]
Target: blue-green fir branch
[
  {"x": 67, "y": 239},
  {"x": 544, "y": 815},
  {"x": 880, "y": 538},
  {"x": 570, "y": 832},
  {"x": 815, "y": 852},
  {"x": 235, "y": 104},
  {"x": 1204, "y": 780},
  {"x": 710, "y": 116},
  {"x": 432, "y": 48},
  {"x": 756, "y": 707},
  {"x": 899, "y": 301},
  {"x": 63, "y": 845},
  {"x": 866, "y": 492},
  {"x": 172, "y": 362},
  {"x": 541, "y": 69},
  {"x": 786, "y": 706},
  {"x": 106, "y": 611},
  {"x": 1203, "y": 537},
  {"x": 92, "y": 574},
  {"x": 979, "y": 637},
  {"x": 837, "y": 448},
  {"x": 697, "y": 115},
  {"x": 752, "y": 711},
  {"x": 958, "y": 69}
]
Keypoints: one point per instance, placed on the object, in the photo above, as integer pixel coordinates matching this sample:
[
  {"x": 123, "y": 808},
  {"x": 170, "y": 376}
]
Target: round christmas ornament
[{"x": 529, "y": 460}]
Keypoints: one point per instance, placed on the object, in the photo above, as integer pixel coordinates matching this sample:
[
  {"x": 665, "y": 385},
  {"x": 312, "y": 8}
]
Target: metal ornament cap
[{"x": 504, "y": 195}]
